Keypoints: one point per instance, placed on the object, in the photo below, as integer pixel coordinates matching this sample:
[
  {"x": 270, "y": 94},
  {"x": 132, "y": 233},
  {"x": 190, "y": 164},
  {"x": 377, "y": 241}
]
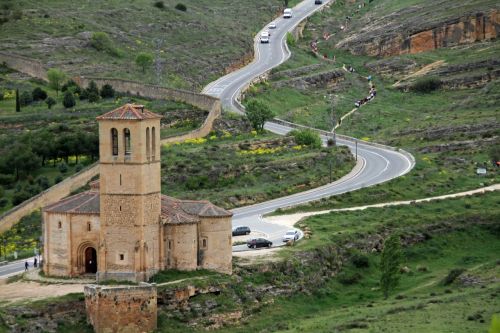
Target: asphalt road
[{"x": 379, "y": 164}]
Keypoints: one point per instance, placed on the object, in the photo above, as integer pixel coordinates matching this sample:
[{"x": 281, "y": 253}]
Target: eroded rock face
[{"x": 388, "y": 37}]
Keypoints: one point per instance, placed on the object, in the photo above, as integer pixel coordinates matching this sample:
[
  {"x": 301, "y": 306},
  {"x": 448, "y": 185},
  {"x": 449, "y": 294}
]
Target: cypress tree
[
  {"x": 18, "y": 103},
  {"x": 389, "y": 264}
]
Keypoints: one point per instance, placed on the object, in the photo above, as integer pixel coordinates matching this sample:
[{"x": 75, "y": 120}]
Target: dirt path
[
  {"x": 422, "y": 71},
  {"x": 20, "y": 291}
]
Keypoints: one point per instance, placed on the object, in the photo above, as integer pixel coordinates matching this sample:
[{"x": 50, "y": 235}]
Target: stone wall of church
[
  {"x": 57, "y": 241},
  {"x": 181, "y": 246},
  {"x": 131, "y": 309},
  {"x": 84, "y": 234},
  {"x": 215, "y": 244}
]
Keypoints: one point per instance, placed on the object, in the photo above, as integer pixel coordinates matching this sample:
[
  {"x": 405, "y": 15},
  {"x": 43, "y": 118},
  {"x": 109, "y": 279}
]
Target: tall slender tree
[
  {"x": 18, "y": 102},
  {"x": 389, "y": 265}
]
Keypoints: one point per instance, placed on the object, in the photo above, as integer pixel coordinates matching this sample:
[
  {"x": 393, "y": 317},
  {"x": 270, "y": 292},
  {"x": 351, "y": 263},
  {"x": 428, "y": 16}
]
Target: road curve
[{"x": 378, "y": 164}]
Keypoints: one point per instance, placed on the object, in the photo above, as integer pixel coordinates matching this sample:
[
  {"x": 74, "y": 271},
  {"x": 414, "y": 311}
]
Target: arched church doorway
[{"x": 90, "y": 260}]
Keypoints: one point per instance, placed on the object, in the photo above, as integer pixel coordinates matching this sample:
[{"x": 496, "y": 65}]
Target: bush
[
  {"x": 101, "y": 42},
  {"x": 93, "y": 97},
  {"x": 452, "y": 276},
  {"x": 290, "y": 40},
  {"x": 181, "y": 7},
  {"x": 346, "y": 278},
  {"x": 7, "y": 179},
  {"x": 58, "y": 179},
  {"x": 63, "y": 167},
  {"x": 426, "y": 85},
  {"x": 159, "y": 4},
  {"x": 72, "y": 86},
  {"x": 92, "y": 92},
  {"x": 307, "y": 137},
  {"x": 25, "y": 98},
  {"x": 107, "y": 91},
  {"x": 20, "y": 196},
  {"x": 69, "y": 100},
  {"x": 3, "y": 202},
  {"x": 78, "y": 167},
  {"x": 360, "y": 260},
  {"x": 39, "y": 94},
  {"x": 43, "y": 182},
  {"x": 50, "y": 102}
]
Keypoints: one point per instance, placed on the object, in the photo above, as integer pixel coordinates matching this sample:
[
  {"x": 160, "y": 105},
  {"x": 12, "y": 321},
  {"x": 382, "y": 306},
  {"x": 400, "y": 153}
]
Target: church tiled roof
[
  {"x": 129, "y": 112},
  {"x": 81, "y": 203}
]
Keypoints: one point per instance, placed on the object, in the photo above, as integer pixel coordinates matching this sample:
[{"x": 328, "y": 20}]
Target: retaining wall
[
  {"x": 50, "y": 195},
  {"x": 24, "y": 65}
]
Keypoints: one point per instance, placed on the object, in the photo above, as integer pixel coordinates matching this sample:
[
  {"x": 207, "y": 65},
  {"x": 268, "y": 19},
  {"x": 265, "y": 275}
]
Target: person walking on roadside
[
  {"x": 35, "y": 262},
  {"x": 26, "y": 265}
]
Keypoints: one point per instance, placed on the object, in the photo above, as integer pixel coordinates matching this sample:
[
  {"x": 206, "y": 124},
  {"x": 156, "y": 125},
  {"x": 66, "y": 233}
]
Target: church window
[
  {"x": 153, "y": 142},
  {"x": 204, "y": 242},
  {"x": 120, "y": 208},
  {"x": 148, "y": 154},
  {"x": 114, "y": 141},
  {"x": 59, "y": 224},
  {"x": 120, "y": 179},
  {"x": 170, "y": 245},
  {"x": 126, "y": 143},
  {"x": 89, "y": 227},
  {"x": 122, "y": 256}
]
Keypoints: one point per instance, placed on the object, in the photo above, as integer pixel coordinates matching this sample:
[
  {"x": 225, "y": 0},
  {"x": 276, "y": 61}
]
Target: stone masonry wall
[{"x": 121, "y": 309}]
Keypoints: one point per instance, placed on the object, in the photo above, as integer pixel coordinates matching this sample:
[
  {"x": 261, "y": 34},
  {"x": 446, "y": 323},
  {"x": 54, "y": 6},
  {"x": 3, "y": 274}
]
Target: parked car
[
  {"x": 259, "y": 242},
  {"x": 264, "y": 36},
  {"x": 287, "y": 13},
  {"x": 291, "y": 235},
  {"x": 272, "y": 25},
  {"x": 241, "y": 230},
  {"x": 318, "y": 2}
]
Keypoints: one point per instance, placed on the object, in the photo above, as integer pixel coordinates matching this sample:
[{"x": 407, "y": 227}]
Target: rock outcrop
[{"x": 387, "y": 36}]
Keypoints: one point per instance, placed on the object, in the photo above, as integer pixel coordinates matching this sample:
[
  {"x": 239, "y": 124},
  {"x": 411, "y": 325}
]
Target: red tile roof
[
  {"x": 129, "y": 112},
  {"x": 81, "y": 203}
]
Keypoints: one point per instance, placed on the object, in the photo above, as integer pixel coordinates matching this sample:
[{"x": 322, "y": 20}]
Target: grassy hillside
[{"x": 193, "y": 46}]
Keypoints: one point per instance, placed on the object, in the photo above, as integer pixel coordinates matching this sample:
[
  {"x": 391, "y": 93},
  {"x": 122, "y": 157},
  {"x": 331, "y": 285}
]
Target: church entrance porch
[{"x": 86, "y": 258}]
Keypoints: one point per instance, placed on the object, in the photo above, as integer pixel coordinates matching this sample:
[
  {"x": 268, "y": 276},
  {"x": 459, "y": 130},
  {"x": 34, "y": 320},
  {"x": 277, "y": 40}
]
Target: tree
[
  {"x": 144, "y": 60},
  {"x": 18, "y": 103},
  {"x": 92, "y": 92},
  {"x": 39, "y": 94},
  {"x": 258, "y": 113},
  {"x": 389, "y": 264},
  {"x": 25, "y": 99},
  {"x": 69, "y": 100},
  {"x": 50, "y": 102},
  {"x": 56, "y": 78},
  {"x": 21, "y": 159},
  {"x": 107, "y": 91}
]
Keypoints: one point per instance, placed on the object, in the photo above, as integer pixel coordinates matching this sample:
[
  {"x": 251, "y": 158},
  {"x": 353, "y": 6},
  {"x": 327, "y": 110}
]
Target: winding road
[{"x": 376, "y": 163}]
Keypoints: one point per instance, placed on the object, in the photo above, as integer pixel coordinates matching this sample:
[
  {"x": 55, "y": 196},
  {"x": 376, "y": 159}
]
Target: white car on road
[
  {"x": 264, "y": 36},
  {"x": 291, "y": 235},
  {"x": 287, "y": 13},
  {"x": 272, "y": 25}
]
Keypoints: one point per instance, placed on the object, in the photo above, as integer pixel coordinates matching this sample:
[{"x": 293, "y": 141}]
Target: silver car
[{"x": 291, "y": 235}]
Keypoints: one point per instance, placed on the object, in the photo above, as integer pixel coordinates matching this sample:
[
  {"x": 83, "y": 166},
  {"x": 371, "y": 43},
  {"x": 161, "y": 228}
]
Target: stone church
[{"x": 123, "y": 228}]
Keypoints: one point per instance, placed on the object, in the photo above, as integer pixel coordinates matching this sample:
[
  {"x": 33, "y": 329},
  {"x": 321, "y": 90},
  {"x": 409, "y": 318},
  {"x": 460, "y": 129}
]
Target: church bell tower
[{"x": 130, "y": 203}]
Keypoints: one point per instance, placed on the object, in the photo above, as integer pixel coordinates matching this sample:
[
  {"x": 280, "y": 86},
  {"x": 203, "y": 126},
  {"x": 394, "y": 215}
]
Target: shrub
[
  {"x": 426, "y": 85},
  {"x": 93, "y": 97},
  {"x": 452, "y": 276},
  {"x": 20, "y": 196},
  {"x": 58, "y": 179},
  {"x": 159, "y": 4},
  {"x": 7, "y": 179},
  {"x": 101, "y": 42},
  {"x": 3, "y": 202},
  {"x": 43, "y": 182},
  {"x": 92, "y": 92},
  {"x": 360, "y": 260},
  {"x": 50, "y": 102},
  {"x": 63, "y": 167},
  {"x": 290, "y": 40},
  {"x": 307, "y": 137},
  {"x": 69, "y": 100},
  {"x": 71, "y": 86},
  {"x": 348, "y": 278},
  {"x": 78, "y": 167},
  {"x": 39, "y": 94},
  {"x": 25, "y": 98},
  {"x": 107, "y": 91},
  {"x": 181, "y": 7}
]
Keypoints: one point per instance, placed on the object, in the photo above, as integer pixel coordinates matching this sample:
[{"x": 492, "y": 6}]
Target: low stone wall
[
  {"x": 121, "y": 309},
  {"x": 50, "y": 195},
  {"x": 24, "y": 65}
]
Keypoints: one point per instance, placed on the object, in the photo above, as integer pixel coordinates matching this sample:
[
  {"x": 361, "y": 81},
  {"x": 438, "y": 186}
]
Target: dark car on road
[
  {"x": 259, "y": 242},
  {"x": 238, "y": 231},
  {"x": 318, "y": 2}
]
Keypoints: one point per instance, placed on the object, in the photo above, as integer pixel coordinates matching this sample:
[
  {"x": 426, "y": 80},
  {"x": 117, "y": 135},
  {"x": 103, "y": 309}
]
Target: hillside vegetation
[{"x": 192, "y": 46}]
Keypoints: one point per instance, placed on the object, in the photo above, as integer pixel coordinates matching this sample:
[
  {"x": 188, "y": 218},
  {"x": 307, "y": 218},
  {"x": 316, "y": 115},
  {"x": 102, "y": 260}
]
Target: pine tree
[
  {"x": 389, "y": 265},
  {"x": 18, "y": 103}
]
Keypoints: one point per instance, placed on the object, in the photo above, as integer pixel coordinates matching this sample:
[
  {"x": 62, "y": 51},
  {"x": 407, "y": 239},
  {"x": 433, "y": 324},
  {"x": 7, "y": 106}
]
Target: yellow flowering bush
[
  {"x": 198, "y": 141},
  {"x": 226, "y": 134},
  {"x": 254, "y": 132},
  {"x": 260, "y": 151},
  {"x": 213, "y": 137},
  {"x": 9, "y": 94}
]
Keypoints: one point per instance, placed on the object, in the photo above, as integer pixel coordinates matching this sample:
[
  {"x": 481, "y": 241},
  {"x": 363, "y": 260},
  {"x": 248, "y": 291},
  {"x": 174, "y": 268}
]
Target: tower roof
[{"x": 129, "y": 112}]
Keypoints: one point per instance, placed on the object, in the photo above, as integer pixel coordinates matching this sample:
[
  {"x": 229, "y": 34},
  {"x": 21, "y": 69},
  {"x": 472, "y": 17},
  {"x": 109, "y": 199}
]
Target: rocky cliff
[{"x": 387, "y": 36}]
